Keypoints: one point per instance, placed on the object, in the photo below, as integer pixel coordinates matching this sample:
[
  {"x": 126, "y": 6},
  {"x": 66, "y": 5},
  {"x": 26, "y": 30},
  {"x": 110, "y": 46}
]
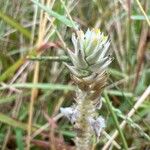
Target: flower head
[{"x": 90, "y": 54}]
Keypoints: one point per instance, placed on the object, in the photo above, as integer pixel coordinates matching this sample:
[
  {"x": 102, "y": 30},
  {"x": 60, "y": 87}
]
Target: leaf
[
  {"x": 56, "y": 15},
  {"x": 19, "y": 139},
  {"x": 11, "y": 70},
  {"x": 7, "y": 120},
  {"x": 12, "y": 98},
  {"x": 119, "y": 93},
  {"x": 9, "y": 20},
  {"x": 110, "y": 108},
  {"x": 44, "y": 86},
  {"x": 138, "y": 17}
]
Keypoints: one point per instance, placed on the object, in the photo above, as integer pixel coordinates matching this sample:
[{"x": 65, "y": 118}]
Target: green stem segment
[
  {"x": 116, "y": 121},
  {"x": 49, "y": 58}
]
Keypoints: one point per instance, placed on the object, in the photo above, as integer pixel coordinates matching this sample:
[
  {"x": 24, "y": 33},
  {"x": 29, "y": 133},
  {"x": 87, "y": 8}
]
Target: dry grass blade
[
  {"x": 144, "y": 13},
  {"x": 130, "y": 114}
]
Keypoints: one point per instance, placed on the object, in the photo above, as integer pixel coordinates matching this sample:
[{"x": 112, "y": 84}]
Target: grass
[
  {"x": 34, "y": 83},
  {"x": 116, "y": 122}
]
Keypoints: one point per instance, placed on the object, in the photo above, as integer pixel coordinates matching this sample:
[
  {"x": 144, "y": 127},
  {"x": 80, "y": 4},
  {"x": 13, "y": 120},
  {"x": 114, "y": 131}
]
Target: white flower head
[{"x": 90, "y": 54}]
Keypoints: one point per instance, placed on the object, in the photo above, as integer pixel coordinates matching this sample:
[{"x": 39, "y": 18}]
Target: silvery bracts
[{"x": 89, "y": 62}]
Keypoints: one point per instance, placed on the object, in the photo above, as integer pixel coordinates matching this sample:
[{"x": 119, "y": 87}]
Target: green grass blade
[
  {"x": 7, "y": 120},
  {"x": 138, "y": 17},
  {"x": 68, "y": 133},
  {"x": 44, "y": 86},
  {"x": 19, "y": 139},
  {"x": 11, "y": 70},
  {"x": 9, "y": 99},
  {"x": 9, "y": 20},
  {"x": 49, "y": 58},
  {"x": 54, "y": 14},
  {"x": 116, "y": 121},
  {"x": 120, "y": 93}
]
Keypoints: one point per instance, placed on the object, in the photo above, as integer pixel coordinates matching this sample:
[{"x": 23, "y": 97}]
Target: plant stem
[
  {"x": 49, "y": 58},
  {"x": 84, "y": 135},
  {"x": 116, "y": 121}
]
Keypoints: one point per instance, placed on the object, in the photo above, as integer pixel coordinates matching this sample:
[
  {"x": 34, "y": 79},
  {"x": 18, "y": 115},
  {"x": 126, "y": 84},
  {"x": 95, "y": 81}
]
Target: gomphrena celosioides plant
[{"x": 89, "y": 62}]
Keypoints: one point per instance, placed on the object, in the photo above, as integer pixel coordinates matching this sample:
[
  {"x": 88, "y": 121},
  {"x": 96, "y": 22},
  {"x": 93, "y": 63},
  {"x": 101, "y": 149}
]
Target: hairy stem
[{"x": 84, "y": 134}]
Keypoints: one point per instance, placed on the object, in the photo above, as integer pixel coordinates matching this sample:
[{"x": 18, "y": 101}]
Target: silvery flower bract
[{"x": 90, "y": 56}]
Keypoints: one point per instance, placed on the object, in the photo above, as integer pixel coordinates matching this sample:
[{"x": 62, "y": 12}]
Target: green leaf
[
  {"x": 49, "y": 58},
  {"x": 11, "y": 70},
  {"x": 44, "y": 86},
  {"x": 9, "y": 20},
  {"x": 54, "y": 14},
  {"x": 12, "y": 98},
  {"x": 68, "y": 133},
  {"x": 110, "y": 107},
  {"x": 7, "y": 120},
  {"x": 119, "y": 93},
  {"x": 138, "y": 17},
  {"x": 19, "y": 139}
]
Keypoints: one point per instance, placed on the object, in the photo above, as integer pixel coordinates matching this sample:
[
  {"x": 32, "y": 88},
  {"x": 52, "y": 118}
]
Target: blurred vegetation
[{"x": 34, "y": 83}]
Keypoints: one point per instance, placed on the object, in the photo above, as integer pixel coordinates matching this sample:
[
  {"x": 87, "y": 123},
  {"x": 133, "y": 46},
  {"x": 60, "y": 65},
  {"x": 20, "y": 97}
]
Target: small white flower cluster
[
  {"x": 97, "y": 125},
  {"x": 72, "y": 113}
]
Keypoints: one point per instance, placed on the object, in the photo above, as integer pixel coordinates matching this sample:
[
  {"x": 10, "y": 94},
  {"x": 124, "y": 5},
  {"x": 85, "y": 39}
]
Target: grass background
[{"x": 34, "y": 83}]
